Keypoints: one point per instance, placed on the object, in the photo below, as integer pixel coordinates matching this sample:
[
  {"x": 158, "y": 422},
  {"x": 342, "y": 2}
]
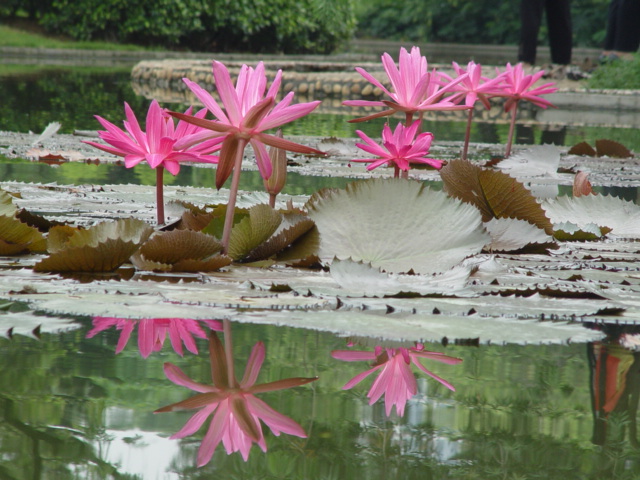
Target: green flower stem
[
  {"x": 160, "y": 194},
  {"x": 512, "y": 128},
  {"x": 467, "y": 135},
  {"x": 233, "y": 194}
]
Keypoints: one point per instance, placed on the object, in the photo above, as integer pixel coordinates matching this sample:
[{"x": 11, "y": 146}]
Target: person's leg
[
  {"x": 627, "y": 37},
  {"x": 612, "y": 27},
  {"x": 530, "y": 17},
  {"x": 560, "y": 33}
]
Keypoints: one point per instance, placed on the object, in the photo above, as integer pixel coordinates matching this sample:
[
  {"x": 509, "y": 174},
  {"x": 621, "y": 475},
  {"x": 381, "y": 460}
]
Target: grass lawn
[{"x": 17, "y": 37}]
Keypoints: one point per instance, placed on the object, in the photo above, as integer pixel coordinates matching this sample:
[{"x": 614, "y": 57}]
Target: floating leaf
[
  {"x": 396, "y": 225},
  {"x": 293, "y": 226},
  {"x": 6, "y": 204},
  {"x": 362, "y": 278},
  {"x": 609, "y": 148},
  {"x": 17, "y": 237},
  {"x": 180, "y": 251},
  {"x": 582, "y": 148},
  {"x": 191, "y": 216},
  {"x": 494, "y": 193},
  {"x": 535, "y": 161},
  {"x": 621, "y": 216},
  {"x": 570, "y": 232},
  {"x": 101, "y": 248},
  {"x": 253, "y": 230},
  {"x": 510, "y": 235}
]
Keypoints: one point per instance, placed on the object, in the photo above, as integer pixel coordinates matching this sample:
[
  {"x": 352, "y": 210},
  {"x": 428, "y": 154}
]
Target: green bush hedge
[{"x": 289, "y": 26}]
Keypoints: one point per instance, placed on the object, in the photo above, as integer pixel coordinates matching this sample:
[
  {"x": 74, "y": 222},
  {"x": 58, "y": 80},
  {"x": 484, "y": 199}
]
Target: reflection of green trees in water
[
  {"x": 71, "y": 97},
  {"x": 519, "y": 412}
]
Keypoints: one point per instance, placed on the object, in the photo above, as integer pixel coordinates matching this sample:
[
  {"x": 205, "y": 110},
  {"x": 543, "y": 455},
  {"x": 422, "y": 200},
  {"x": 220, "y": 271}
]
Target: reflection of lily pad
[
  {"x": 102, "y": 248},
  {"x": 396, "y": 225},
  {"x": 181, "y": 251}
]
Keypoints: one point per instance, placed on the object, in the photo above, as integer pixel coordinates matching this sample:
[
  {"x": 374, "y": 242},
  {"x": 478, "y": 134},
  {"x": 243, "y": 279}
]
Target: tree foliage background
[
  {"x": 294, "y": 26},
  {"x": 469, "y": 21},
  {"x": 286, "y": 26}
]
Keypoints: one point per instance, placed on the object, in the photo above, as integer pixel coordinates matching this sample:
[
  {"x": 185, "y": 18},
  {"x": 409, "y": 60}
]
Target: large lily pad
[
  {"x": 101, "y": 248},
  {"x": 396, "y": 225},
  {"x": 621, "y": 217},
  {"x": 496, "y": 194},
  {"x": 181, "y": 251}
]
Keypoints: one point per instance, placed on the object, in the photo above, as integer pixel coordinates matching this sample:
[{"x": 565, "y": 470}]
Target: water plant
[
  {"x": 247, "y": 113},
  {"x": 162, "y": 146}
]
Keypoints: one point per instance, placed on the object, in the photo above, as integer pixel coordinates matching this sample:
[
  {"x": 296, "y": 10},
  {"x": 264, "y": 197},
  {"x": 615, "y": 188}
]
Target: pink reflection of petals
[
  {"x": 236, "y": 411},
  {"x": 153, "y": 331},
  {"x": 395, "y": 379}
]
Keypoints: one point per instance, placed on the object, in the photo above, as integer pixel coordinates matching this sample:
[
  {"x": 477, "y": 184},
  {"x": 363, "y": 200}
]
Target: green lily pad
[
  {"x": 253, "y": 230},
  {"x": 102, "y": 248},
  {"x": 180, "y": 251}
]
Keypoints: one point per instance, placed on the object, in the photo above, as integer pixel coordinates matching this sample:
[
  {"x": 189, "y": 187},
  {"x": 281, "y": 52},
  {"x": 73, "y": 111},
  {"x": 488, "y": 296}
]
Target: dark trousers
[
  {"x": 559, "y": 23},
  {"x": 623, "y": 26}
]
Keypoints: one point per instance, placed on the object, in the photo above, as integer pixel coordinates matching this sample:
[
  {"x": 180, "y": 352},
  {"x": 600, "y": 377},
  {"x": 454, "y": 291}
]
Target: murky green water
[{"x": 73, "y": 409}]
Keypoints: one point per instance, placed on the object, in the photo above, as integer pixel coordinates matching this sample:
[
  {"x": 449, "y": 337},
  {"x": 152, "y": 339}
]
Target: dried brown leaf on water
[
  {"x": 609, "y": 148},
  {"x": 494, "y": 193},
  {"x": 582, "y": 148},
  {"x": 101, "y": 248},
  {"x": 181, "y": 251},
  {"x": 604, "y": 148}
]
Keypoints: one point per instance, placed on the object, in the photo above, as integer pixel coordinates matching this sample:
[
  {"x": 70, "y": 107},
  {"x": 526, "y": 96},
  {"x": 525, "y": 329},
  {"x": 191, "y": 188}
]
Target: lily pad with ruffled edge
[
  {"x": 610, "y": 214},
  {"x": 494, "y": 193},
  {"x": 101, "y": 248},
  {"x": 293, "y": 226},
  {"x": 396, "y": 225},
  {"x": 180, "y": 251},
  {"x": 16, "y": 236},
  {"x": 253, "y": 230}
]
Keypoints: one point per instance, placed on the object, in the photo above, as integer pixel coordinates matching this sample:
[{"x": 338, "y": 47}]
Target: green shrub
[
  {"x": 288, "y": 26},
  {"x": 620, "y": 74}
]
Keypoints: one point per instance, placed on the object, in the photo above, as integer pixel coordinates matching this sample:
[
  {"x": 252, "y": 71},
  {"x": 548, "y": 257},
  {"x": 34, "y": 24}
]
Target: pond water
[
  {"x": 524, "y": 406},
  {"x": 72, "y": 408}
]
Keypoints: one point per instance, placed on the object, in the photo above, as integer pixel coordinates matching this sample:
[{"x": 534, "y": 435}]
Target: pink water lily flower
[
  {"x": 474, "y": 87},
  {"x": 413, "y": 87},
  {"x": 399, "y": 148},
  {"x": 518, "y": 86},
  {"x": 395, "y": 380},
  {"x": 245, "y": 115},
  {"x": 163, "y": 145},
  {"x": 152, "y": 332},
  {"x": 236, "y": 411}
]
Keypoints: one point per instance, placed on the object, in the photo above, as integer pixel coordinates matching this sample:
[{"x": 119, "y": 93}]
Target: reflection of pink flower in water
[
  {"x": 235, "y": 408},
  {"x": 153, "y": 331},
  {"x": 395, "y": 380}
]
